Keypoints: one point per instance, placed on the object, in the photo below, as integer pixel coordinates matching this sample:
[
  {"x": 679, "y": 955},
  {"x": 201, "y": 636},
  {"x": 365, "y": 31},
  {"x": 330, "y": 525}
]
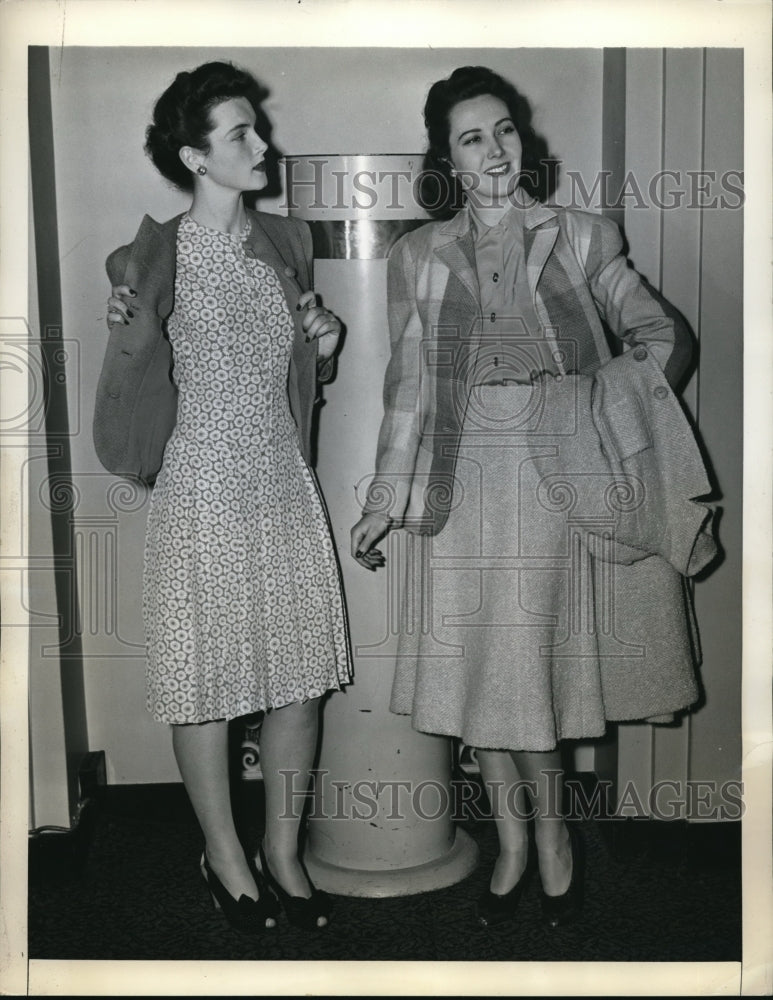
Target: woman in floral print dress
[{"x": 242, "y": 600}]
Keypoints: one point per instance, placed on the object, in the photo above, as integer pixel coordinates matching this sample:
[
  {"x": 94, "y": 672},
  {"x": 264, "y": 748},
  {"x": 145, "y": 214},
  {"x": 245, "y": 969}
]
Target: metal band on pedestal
[{"x": 358, "y": 239}]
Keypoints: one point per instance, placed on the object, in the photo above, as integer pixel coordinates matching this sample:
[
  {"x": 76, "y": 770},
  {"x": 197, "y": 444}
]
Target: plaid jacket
[{"x": 582, "y": 287}]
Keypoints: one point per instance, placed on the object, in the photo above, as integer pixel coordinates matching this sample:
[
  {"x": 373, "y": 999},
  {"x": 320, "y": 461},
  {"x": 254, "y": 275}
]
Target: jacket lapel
[
  {"x": 264, "y": 242},
  {"x": 153, "y": 259},
  {"x": 540, "y": 235},
  {"x": 264, "y": 248}
]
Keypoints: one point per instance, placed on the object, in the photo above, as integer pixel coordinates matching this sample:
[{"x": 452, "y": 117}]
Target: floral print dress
[{"x": 242, "y": 599}]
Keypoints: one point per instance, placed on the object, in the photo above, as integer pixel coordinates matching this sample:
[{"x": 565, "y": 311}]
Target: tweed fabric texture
[
  {"x": 518, "y": 630},
  {"x": 561, "y": 513},
  {"x": 652, "y": 453}
]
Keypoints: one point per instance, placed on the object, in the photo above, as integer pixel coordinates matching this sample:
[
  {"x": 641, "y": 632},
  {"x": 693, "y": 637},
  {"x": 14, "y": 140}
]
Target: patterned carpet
[{"x": 131, "y": 889}]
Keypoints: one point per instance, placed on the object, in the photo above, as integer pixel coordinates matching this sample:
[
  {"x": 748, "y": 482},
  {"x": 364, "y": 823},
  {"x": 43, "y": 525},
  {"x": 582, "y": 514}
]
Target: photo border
[{"x": 436, "y": 24}]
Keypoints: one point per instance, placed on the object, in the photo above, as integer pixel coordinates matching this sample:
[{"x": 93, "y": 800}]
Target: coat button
[
  {"x": 493, "y": 317},
  {"x": 640, "y": 354},
  {"x": 660, "y": 392},
  {"x": 495, "y": 276}
]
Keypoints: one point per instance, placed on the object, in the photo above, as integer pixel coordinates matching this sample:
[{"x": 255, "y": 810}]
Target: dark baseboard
[
  {"x": 57, "y": 853},
  {"x": 54, "y": 853},
  {"x": 159, "y": 802},
  {"x": 712, "y": 844}
]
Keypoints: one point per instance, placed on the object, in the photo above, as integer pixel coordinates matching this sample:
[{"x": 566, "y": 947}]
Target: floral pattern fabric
[{"x": 242, "y": 599}]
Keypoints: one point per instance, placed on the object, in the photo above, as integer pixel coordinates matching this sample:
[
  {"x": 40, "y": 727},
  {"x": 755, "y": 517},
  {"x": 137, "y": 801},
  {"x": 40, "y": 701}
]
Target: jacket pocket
[{"x": 626, "y": 428}]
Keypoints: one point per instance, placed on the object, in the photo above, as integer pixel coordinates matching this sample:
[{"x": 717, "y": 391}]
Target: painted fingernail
[
  {"x": 358, "y": 553},
  {"x": 130, "y": 314},
  {"x": 132, "y": 292}
]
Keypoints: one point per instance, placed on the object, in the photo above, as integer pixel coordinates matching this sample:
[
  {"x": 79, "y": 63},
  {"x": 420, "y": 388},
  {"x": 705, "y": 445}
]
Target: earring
[{"x": 201, "y": 170}]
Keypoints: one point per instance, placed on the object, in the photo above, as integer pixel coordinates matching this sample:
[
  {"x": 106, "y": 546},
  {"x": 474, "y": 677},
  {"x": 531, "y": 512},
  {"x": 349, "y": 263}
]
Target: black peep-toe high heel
[
  {"x": 301, "y": 911},
  {"x": 245, "y": 914},
  {"x": 560, "y": 910},
  {"x": 494, "y": 908}
]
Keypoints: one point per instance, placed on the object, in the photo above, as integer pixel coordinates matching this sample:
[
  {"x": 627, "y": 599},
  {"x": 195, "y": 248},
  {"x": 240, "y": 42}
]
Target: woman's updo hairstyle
[
  {"x": 181, "y": 115},
  {"x": 442, "y": 194}
]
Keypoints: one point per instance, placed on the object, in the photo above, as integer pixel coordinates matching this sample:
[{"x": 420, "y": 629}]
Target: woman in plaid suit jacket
[{"x": 556, "y": 482}]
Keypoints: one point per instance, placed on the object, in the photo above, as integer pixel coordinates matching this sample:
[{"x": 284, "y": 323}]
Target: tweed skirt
[{"x": 516, "y": 632}]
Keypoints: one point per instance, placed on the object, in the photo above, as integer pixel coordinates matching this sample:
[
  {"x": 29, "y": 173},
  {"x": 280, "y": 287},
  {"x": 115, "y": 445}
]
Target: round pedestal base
[{"x": 448, "y": 869}]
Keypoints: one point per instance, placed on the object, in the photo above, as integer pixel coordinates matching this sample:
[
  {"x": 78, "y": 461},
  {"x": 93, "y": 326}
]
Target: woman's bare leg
[
  {"x": 202, "y": 757},
  {"x": 544, "y": 773},
  {"x": 288, "y": 744},
  {"x": 510, "y": 811}
]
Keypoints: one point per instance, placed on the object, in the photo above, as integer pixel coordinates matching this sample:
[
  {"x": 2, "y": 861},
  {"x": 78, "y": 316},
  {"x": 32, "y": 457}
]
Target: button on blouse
[{"x": 512, "y": 344}]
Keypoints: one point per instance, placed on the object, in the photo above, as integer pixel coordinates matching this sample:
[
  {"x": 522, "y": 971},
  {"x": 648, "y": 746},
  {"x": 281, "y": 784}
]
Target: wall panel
[{"x": 685, "y": 124}]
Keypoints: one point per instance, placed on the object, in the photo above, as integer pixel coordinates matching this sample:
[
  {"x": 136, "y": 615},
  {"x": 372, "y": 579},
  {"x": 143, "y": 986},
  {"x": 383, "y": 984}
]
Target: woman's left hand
[{"x": 319, "y": 324}]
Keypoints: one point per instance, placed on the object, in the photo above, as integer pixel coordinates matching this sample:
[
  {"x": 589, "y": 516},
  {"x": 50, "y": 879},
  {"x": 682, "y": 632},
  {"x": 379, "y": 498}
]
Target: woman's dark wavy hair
[
  {"x": 181, "y": 115},
  {"x": 441, "y": 194}
]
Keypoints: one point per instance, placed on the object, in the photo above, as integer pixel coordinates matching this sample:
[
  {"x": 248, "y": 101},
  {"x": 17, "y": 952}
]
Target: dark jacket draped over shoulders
[{"x": 136, "y": 401}]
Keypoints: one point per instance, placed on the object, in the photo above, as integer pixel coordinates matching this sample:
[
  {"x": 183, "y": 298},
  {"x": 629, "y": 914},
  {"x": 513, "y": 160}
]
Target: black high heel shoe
[
  {"x": 494, "y": 908},
  {"x": 245, "y": 914},
  {"x": 301, "y": 911},
  {"x": 557, "y": 911}
]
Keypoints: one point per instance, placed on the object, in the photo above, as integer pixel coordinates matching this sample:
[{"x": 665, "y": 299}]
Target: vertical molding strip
[
  {"x": 613, "y": 103},
  {"x": 690, "y": 584},
  {"x": 613, "y": 146},
  {"x": 663, "y": 92},
  {"x": 683, "y": 104},
  {"x": 61, "y": 492},
  {"x": 645, "y": 143},
  {"x": 716, "y": 745},
  {"x": 700, "y": 234}
]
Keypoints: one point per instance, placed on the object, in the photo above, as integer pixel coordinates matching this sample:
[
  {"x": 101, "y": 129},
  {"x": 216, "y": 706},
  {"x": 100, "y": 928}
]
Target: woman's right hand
[
  {"x": 364, "y": 536},
  {"x": 120, "y": 305}
]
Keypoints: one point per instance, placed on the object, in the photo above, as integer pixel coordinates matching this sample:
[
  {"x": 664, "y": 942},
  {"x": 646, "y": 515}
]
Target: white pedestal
[{"x": 383, "y": 820}]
